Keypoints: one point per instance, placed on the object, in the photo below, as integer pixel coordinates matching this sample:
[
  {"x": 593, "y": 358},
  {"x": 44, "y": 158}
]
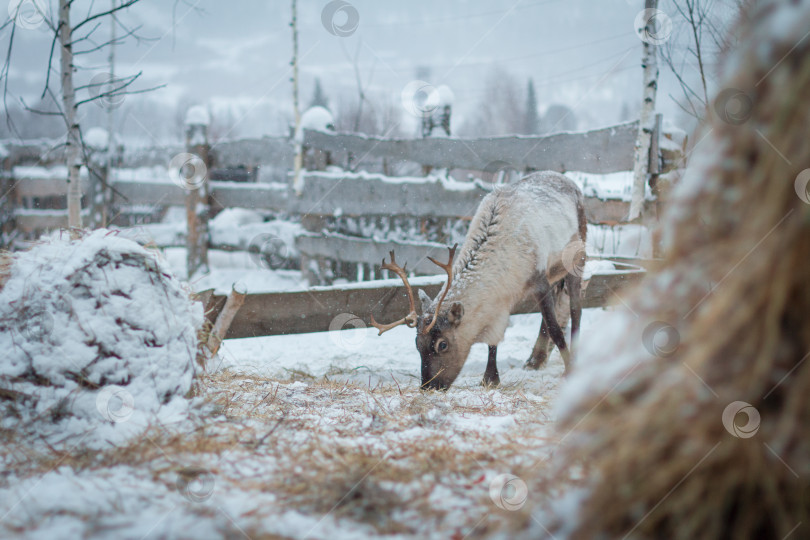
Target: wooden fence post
[
  {"x": 655, "y": 171},
  {"x": 99, "y": 192},
  {"x": 197, "y": 190},
  {"x": 7, "y": 200}
]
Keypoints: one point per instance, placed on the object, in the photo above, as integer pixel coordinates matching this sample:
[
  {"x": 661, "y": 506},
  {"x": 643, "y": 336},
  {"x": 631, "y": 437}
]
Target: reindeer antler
[
  {"x": 410, "y": 319},
  {"x": 449, "y": 269}
]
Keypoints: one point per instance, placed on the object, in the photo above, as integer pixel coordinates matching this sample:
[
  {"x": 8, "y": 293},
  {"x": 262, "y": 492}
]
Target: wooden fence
[
  {"x": 319, "y": 309},
  {"x": 329, "y": 195}
]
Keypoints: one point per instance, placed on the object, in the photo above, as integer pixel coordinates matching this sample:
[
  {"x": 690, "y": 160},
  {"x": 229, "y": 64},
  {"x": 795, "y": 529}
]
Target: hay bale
[
  {"x": 98, "y": 338},
  {"x": 687, "y": 416}
]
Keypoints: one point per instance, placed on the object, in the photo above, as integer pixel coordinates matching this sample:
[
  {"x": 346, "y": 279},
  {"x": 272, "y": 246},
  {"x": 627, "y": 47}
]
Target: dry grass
[
  {"x": 392, "y": 457},
  {"x": 658, "y": 461},
  {"x": 5, "y": 267}
]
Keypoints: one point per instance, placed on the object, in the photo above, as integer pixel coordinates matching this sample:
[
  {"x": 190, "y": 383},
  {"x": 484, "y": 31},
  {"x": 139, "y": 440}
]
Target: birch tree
[
  {"x": 73, "y": 143},
  {"x": 67, "y": 100},
  {"x": 651, "y": 37},
  {"x": 298, "y": 133}
]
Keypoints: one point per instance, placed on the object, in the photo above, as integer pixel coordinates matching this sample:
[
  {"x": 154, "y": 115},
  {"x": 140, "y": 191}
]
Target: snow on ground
[
  {"x": 322, "y": 435},
  {"x": 228, "y": 268}
]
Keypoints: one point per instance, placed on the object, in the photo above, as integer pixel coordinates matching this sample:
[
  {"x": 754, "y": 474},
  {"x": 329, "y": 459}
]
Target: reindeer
[{"x": 526, "y": 237}]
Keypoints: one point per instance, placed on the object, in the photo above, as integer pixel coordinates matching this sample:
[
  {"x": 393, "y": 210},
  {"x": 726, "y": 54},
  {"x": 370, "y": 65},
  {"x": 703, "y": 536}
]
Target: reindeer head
[{"x": 443, "y": 354}]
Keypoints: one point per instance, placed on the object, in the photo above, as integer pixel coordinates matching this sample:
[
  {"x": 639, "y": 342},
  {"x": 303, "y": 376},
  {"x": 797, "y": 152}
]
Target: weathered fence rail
[
  {"x": 328, "y": 195},
  {"x": 316, "y": 310},
  {"x": 324, "y": 195},
  {"x": 599, "y": 151}
]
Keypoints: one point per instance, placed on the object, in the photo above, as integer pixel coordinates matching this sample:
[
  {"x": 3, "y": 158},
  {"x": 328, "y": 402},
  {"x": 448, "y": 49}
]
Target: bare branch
[
  {"x": 4, "y": 75},
  {"x": 117, "y": 41},
  {"x": 50, "y": 61},
  {"x": 117, "y": 92},
  {"x": 127, "y": 80},
  {"x": 40, "y": 111},
  {"x": 87, "y": 36},
  {"x": 110, "y": 11}
]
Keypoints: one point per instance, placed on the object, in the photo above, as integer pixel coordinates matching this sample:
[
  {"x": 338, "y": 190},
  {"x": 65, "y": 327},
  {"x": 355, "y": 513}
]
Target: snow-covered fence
[
  {"x": 333, "y": 196},
  {"x": 326, "y": 194},
  {"x": 599, "y": 151}
]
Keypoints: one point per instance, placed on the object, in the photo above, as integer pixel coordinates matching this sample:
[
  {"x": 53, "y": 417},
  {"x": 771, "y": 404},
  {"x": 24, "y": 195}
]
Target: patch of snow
[
  {"x": 59, "y": 172},
  {"x": 97, "y": 138},
  {"x": 318, "y": 119},
  {"x": 198, "y": 116},
  {"x": 235, "y": 217},
  {"x": 598, "y": 267},
  {"x": 446, "y": 96}
]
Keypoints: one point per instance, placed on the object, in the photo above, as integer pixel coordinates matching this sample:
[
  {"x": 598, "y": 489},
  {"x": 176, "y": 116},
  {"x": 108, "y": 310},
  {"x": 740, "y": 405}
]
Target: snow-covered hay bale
[
  {"x": 98, "y": 338},
  {"x": 688, "y": 417}
]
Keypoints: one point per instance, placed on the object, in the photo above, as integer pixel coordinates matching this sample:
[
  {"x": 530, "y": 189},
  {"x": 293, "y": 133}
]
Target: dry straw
[{"x": 653, "y": 455}]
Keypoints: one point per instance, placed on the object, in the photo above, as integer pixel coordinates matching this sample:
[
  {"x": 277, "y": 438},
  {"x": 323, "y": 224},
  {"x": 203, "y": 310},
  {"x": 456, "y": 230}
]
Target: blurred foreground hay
[{"x": 664, "y": 453}]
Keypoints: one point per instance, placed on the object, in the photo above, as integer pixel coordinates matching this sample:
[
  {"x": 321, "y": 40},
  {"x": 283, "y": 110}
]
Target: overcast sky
[{"x": 235, "y": 56}]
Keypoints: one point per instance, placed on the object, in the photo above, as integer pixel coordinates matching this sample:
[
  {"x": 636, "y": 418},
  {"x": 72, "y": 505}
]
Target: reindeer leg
[
  {"x": 542, "y": 347},
  {"x": 574, "y": 284},
  {"x": 491, "y": 377},
  {"x": 547, "y": 302},
  {"x": 540, "y": 350}
]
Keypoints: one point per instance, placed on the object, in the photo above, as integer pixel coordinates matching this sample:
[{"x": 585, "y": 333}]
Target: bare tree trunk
[
  {"x": 111, "y": 110},
  {"x": 298, "y": 135},
  {"x": 73, "y": 143},
  {"x": 649, "y": 62}
]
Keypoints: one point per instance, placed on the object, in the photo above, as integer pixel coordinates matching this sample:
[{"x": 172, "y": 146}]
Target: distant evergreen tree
[
  {"x": 319, "y": 99},
  {"x": 532, "y": 117}
]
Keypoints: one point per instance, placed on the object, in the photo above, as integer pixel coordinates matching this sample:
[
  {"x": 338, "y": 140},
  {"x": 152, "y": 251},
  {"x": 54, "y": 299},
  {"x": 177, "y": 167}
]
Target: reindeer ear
[
  {"x": 426, "y": 300},
  {"x": 455, "y": 313}
]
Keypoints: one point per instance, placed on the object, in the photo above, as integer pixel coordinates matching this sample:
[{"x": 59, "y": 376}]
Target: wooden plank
[
  {"x": 352, "y": 195},
  {"x": 149, "y": 193},
  {"x": 368, "y": 251},
  {"x": 226, "y": 194},
  {"x": 27, "y": 186},
  {"x": 377, "y": 195},
  {"x": 39, "y": 220},
  {"x": 36, "y": 152},
  {"x": 600, "y": 151},
  {"x": 324, "y": 195},
  {"x": 316, "y": 310},
  {"x": 270, "y": 151},
  {"x": 363, "y": 250},
  {"x": 260, "y": 196}
]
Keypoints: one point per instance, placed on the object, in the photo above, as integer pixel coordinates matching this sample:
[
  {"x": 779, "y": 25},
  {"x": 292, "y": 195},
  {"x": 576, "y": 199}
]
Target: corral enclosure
[
  {"x": 302, "y": 401},
  {"x": 187, "y": 282},
  {"x": 329, "y": 417}
]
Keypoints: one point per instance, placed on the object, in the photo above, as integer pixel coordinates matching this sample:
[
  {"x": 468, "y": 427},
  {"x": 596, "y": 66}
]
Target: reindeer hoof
[
  {"x": 491, "y": 382},
  {"x": 534, "y": 363}
]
